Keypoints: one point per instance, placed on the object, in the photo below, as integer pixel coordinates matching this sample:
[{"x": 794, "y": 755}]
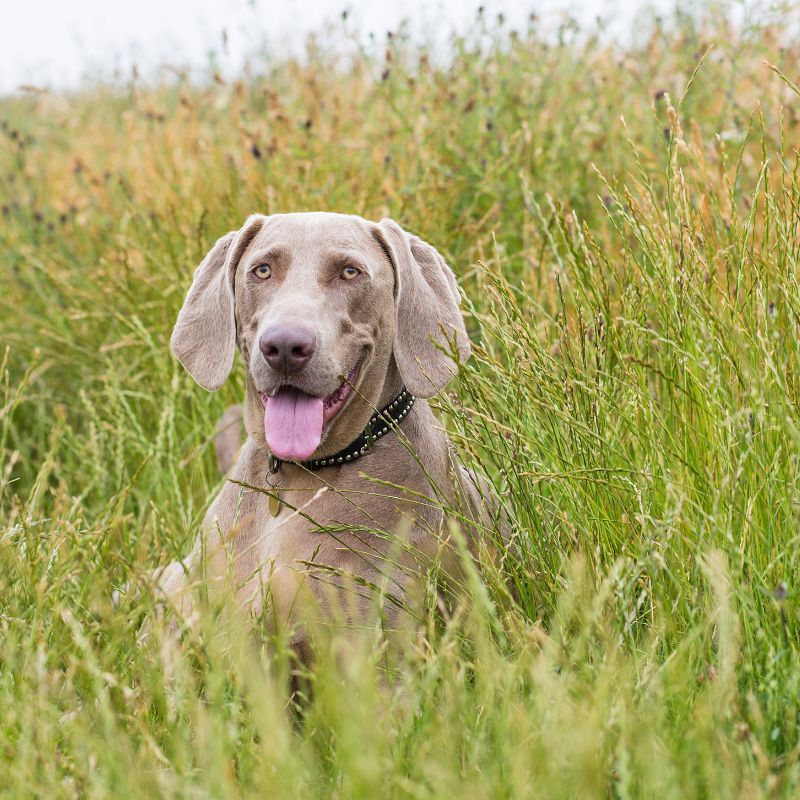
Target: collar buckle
[{"x": 274, "y": 476}]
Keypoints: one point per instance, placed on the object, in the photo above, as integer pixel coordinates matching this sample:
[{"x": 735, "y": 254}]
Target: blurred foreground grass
[{"x": 625, "y": 226}]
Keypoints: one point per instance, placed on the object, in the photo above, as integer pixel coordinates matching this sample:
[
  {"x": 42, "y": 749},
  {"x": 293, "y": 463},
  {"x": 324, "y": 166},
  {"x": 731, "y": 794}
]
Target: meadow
[{"x": 624, "y": 221}]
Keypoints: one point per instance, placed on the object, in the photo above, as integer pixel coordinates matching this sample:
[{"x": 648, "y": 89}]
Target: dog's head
[{"x": 326, "y": 309}]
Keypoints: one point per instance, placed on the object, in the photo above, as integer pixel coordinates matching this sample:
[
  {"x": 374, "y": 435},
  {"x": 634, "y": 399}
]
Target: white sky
[{"x": 55, "y": 43}]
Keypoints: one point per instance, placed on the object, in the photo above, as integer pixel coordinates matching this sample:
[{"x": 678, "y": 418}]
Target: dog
[{"x": 342, "y": 497}]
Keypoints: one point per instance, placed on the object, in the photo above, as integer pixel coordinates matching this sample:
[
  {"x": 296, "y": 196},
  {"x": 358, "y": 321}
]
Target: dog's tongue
[{"x": 293, "y": 424}]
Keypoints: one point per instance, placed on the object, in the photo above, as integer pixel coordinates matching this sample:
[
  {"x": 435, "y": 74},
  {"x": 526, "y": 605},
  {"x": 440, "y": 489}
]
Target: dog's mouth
[{"x": 294, "y": 420}]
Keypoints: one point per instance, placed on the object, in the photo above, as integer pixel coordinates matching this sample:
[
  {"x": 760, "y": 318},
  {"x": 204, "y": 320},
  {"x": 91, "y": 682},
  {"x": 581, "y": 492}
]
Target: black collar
[{"x": 379, "y": 424}]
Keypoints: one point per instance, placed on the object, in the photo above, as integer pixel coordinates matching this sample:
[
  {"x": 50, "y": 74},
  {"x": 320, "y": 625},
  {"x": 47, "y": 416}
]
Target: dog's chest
[
  {"x": 313, "y": 525},
  {"x": 266, "y": 540}
]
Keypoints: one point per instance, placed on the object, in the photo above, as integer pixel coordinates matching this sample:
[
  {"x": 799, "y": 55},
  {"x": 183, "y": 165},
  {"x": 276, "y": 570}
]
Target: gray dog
[{"x": 334, "y": 505}]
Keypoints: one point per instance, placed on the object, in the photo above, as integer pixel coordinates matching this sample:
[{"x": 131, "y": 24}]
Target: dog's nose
[{"x": 286, "y": 348}]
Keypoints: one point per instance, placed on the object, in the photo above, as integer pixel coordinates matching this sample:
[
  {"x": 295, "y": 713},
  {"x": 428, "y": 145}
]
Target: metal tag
[{"x": 274, "y": 504}]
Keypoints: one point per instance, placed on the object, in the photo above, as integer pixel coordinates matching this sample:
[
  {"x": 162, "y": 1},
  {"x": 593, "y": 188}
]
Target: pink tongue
[{"x": 293, "y": 424}]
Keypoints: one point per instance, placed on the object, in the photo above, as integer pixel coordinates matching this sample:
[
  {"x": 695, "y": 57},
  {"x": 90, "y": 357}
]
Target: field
[{"x": 624, "y": 222}]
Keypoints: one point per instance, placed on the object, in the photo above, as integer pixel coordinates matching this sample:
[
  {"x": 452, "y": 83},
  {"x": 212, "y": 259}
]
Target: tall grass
[{"x": 624, "y": 224}]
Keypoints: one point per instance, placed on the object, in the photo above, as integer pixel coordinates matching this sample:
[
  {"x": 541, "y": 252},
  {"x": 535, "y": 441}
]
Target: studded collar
[{"x": 379, "y": 425}]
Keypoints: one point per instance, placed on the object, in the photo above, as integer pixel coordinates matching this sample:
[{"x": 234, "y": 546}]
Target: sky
[{"x": 57, "y": 43}]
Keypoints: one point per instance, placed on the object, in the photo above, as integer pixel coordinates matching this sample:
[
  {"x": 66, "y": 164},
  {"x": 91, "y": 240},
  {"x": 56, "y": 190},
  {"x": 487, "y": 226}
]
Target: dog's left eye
[
  {"x": 348, "y": 273},
  {"x": 263, "y": 271}
]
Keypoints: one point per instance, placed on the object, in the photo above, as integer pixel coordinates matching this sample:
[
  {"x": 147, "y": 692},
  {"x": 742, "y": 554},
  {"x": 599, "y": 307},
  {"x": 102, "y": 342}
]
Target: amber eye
[
  {"x": 348, "y": 273},
  {"x": 263, "y": 271}
]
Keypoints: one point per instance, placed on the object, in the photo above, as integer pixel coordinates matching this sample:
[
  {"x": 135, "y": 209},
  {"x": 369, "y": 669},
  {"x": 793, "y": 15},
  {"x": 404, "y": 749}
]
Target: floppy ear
[
  {"x": 429, "y": 322},
  {"x": 204, "y": 337}
]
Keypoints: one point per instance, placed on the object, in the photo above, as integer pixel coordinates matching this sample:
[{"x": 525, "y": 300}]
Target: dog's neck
[
  {"x": 383, "y": 422},
  {"x": 392, "y": 385}
]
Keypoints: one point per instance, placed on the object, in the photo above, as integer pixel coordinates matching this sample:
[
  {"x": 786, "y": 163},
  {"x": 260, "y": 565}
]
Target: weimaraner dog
[{"x": 335, "y": 503}]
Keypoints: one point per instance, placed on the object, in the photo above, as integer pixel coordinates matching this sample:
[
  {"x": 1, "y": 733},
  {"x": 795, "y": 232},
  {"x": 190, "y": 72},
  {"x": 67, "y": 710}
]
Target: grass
[{"x": 624, "y": 224}]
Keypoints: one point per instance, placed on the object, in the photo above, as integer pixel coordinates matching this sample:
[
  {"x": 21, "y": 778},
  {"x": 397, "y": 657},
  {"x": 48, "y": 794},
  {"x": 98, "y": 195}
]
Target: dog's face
[
  {"x": 325, "y": 309},
  {"x": 314, "y": 305}
]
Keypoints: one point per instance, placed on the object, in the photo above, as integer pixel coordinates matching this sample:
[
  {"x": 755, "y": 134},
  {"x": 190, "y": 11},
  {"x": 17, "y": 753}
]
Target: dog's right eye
[
  {"x": 263, "y": 271},
  {"x": 348, "y": 273}
]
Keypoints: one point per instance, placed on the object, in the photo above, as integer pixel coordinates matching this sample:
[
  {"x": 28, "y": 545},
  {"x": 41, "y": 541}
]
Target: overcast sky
[{"x": 55, "y": 43}]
